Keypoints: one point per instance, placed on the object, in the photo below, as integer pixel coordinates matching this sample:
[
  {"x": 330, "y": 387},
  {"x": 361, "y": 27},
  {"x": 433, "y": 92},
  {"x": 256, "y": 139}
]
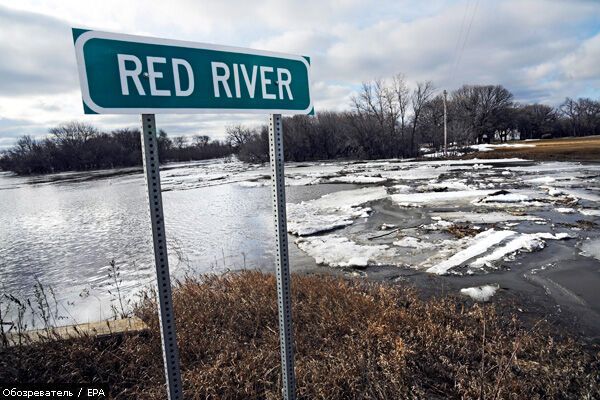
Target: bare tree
[
  {"x": 179, "y": 142},
  {"x": 402, "y": 94},
  {"x": 73, "y": 133},
  {"x": 420, "y": 96},
  {"x": 484, "y": 107},
  {"x": 372, "y": 101},
  {"x": 200, "y": 140},
  {"x": 237, "y": 135}
]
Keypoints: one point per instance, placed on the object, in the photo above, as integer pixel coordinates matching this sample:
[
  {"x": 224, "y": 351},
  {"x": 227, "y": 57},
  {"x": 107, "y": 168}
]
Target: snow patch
[{"x": 490, "y": 147}]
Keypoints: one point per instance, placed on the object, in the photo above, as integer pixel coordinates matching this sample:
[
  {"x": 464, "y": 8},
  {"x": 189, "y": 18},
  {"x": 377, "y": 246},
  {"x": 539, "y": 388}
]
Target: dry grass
[
  {"x": 567, "y": 149},
  {"x": 354, "y": 340},
  {"x": 462, "y": 230}
]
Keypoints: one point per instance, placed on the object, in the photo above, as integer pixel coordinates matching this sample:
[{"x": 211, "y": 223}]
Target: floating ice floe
[
  {"x": 402, "y": 189},
  {"x": 358, "y": 179},
  {"x": 438, "y": 224},
  {"x": 591, "y": 248},
  {"x": 480, "y": 293},
  {"x": 302, "y": 181},
  {"x": 385, "y": 227},
  {"x": 590, "y": 212},
  {"x": 412, "y": 242},
  {"x": 479, "y": 245},
  {"x": 505, "y": 198},
  {"x": 523, "y": 242},
  {"x": 583, "y": 194},
  {"x": 337, "y": 251},
  {"x": 565, "y": 210},
  {"x": 331, "y": 211},
  {"x": 253, "y": 184},
  {"x": 485, "y": 218},
  {"x": 552, "y": 191},
  {"x": 542, "y": 179},
  {"x": 428, "y": 198},
  {"x": 447, "y": 185}
]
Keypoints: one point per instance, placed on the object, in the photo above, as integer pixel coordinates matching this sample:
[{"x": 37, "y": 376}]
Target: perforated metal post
[
  {"x": 286, "y": 336},
  {"x": 166, "y": 316}
]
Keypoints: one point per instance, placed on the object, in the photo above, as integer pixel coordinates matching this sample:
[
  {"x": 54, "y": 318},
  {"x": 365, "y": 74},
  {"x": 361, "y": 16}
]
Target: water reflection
[{"x": 66, "y": 233}]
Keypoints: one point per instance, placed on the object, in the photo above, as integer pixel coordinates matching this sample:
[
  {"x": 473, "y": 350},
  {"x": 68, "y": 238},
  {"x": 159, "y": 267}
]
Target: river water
[{"x": 63, "y": 230}]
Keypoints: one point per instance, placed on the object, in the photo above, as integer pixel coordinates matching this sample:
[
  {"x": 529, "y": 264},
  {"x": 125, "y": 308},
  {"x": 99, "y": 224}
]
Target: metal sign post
[
  {"x": 125, "y": 74},
  {"x": 286, "y": 335},
  {"x": 165, "y": 302}
]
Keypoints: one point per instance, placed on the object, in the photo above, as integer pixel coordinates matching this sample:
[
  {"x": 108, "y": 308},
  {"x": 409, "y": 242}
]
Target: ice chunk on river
[
  {"x": 413, "y": 242},
  {"x": 485, "y": 218},
  {"x": 338, "y": 251},
  {"x": 427, "y": 198},
  {"x": 591, "y": 248},
  {"x": 523, "y": 242},
  {"x": 505, "y": 198},
  {"x": 331, "y": 211},
  {"x": 479, "y": 245},
  {"x": 358, "y": 179},
  {"x": 480, "y": 293}
]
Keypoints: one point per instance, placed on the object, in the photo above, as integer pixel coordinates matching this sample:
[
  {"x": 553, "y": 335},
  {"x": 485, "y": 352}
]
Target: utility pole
[{"x": 445, "y": 125}]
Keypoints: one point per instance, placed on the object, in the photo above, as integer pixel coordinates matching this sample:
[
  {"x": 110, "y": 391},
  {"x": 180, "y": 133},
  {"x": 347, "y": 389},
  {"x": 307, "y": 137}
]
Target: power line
[
  {"x": 458, "y": 39},
  {"x": 467, "y": 34}
]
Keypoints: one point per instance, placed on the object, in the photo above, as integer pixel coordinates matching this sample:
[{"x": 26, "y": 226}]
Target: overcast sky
[{"x": 541, "y": 50}]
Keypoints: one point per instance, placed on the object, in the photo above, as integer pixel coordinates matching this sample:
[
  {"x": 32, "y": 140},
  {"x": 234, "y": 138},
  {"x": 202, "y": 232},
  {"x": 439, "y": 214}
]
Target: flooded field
[{"x": 478, "y": 228}]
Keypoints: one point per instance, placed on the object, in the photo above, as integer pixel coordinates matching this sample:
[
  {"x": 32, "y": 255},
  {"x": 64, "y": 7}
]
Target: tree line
[
  {"x": 388, "y": 119},
  {"x": 77, "y": 146}
]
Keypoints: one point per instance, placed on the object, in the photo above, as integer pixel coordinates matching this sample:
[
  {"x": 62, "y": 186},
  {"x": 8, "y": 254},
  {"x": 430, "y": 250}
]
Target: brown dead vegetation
[
  {"x": 354, "y": 340},
  {"x": 462, "y": 230},
  {"x": 568, "y": 149}
]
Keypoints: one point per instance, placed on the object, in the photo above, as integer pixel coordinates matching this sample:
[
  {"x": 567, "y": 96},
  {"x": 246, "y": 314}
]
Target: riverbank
[
  {"x": 564, "y": 149},
  {"x": 354, "y": 339}
]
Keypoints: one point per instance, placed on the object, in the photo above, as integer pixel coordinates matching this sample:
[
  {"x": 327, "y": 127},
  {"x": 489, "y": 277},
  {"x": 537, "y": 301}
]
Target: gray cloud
[
  {"x": 37, "y": 54},
  {"x": 542, "y": 50}
]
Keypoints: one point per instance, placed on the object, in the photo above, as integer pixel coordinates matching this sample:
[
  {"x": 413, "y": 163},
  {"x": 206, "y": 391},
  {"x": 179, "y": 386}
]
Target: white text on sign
[{"x": 274, "y": 83}]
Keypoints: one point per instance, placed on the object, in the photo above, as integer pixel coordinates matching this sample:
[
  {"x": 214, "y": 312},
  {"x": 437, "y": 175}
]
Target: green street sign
[{"x": 124, "y": 74}]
